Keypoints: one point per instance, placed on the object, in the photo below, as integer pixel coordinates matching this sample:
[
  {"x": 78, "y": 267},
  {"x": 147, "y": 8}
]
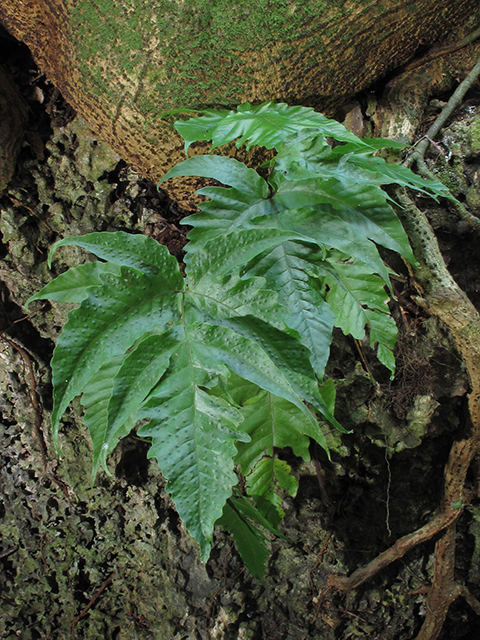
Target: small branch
[
  {"x": 444, "y": 51},
  {"x": 8, "y": 552},
  {"x": 454, "y": 102},
  {"x": 33, "y": 397},
  {"x": 418, "y": 155},
  {"x": 95, "y": 597},
  {"x": 437, "y": 524}
]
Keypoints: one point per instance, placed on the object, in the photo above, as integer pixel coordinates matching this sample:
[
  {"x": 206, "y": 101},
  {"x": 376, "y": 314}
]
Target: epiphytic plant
[{"x": 224, "y": 365}]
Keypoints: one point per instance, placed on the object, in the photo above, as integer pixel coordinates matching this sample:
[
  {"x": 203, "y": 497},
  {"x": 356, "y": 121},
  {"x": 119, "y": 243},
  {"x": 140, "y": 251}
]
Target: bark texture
[
  {"x": 123, "y": 63},
  {"x": 13, "y": 110}
]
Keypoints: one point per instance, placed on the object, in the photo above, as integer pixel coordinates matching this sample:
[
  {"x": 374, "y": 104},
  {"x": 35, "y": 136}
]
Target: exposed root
[
  {"x": 444, "y": 299},
  {"x": 441, "y": 521}
]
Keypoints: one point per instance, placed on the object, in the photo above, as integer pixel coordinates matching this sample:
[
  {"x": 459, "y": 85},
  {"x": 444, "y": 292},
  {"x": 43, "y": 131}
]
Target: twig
[
  {"x": 95, "y": 597},
  {"x": 444, "y": 51},
  {"x": 32, "y": 387},
  {"x": 8, "y": 552},
  {"x": 418, "y": 155}
]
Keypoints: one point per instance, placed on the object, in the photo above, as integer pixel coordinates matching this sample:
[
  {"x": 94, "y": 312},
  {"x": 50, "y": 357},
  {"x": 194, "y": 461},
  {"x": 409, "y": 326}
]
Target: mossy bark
[
  {"x": 123, "y": 63},
  {"x": 113, "y": 560}
]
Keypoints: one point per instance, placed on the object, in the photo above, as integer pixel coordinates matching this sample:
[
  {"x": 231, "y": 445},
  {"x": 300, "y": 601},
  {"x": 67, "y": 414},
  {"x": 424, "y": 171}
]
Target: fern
[{"x": 224, "y": 366}]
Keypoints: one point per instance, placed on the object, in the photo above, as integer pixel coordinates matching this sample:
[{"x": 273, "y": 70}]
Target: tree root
[
  {"x": 444, "y": 299},
  {"x": 438, "y": 523}
]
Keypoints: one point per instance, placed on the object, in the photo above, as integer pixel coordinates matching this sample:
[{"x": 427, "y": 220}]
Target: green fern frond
[{"x": 224, "y": 366}]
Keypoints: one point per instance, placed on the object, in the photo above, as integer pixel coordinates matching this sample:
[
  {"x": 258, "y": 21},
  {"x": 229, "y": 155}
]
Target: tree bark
[{"x": 122, "y": 64}]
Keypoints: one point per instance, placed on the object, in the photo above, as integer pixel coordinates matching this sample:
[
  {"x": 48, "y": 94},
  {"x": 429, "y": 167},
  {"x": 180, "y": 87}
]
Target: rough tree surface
[
  {"x": 113, "y": 561},
  {"x": 122, "y": 63}
]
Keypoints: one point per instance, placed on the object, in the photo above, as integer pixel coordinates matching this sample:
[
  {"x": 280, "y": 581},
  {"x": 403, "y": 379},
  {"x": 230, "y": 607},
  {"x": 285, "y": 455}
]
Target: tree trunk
[{"x": 122, "y": 63}]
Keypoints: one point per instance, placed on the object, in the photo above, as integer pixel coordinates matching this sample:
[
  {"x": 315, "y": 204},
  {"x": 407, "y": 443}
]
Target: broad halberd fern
[{"x": 225, "y": 365}]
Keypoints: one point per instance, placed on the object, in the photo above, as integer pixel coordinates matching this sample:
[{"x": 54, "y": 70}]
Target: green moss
[
  {"x": 475, "y": 136},
  {"x": 190, "y": 42}
]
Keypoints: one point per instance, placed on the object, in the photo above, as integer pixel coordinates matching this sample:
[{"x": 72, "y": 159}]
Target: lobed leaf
[
  {"x": 268, "y": 474},
  {"x": 249, "y": 540},
  {"x": 95, "y": 399},
  {"x": 303, "y": 157},
  {"x": 360, "y": 211},
  {"x": 124, "y": 249},
  {"x": 271, "y": 422},
  {"x": 358, "y": 298},
  {"x": 107, "y": 323},
  {"x": 228, "y": 210},
  {"x": 228, "y": 171},
  {"x": 73, "y": 285},
  {"x": 140, "y": 372},
  {"x": 285, "y": 269},
  {"x": 267, "y": 125},
  {"x": 222, "y": 363},
  {"x": 193, "y": 434}
]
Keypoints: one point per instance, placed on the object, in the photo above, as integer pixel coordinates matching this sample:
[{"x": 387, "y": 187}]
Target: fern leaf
[
  {"x": 193, "y": 432},
  {"x": 124, "y": 249},
  {"x": 225, "y": 170},
  {"x": 291, "y": 361},
  {"x": 360, "y": 212},
  {"x": 249, "y": 539},
  {"x": 95, "y": 399},
  {"x": 221, "y": 364},
  {"x": 378, "y": 171},
  {"x": 193, "y": 437},
  {"x": 266, "y": 125},
  {"x": 268, "y": 474},
  {"x": 358, "y": 298},
  {"x": 233, "y": 296},
  {"x": 107, "y": 323},
  {"x": 228, "y": 210},
  {"x": 304, "y": 156},
  {"x": 221, "y": 256},
  {"x": 271, "y": 422},
  {"x": 140, "y": 372},
  {"x": 285, "y": 269},
  {"x": 73, "y": 285}
]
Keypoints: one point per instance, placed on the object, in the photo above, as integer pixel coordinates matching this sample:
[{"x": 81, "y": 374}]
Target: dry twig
[
  {"x": 95, "y": 597},
  {"x": 418, "y": 155}
]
